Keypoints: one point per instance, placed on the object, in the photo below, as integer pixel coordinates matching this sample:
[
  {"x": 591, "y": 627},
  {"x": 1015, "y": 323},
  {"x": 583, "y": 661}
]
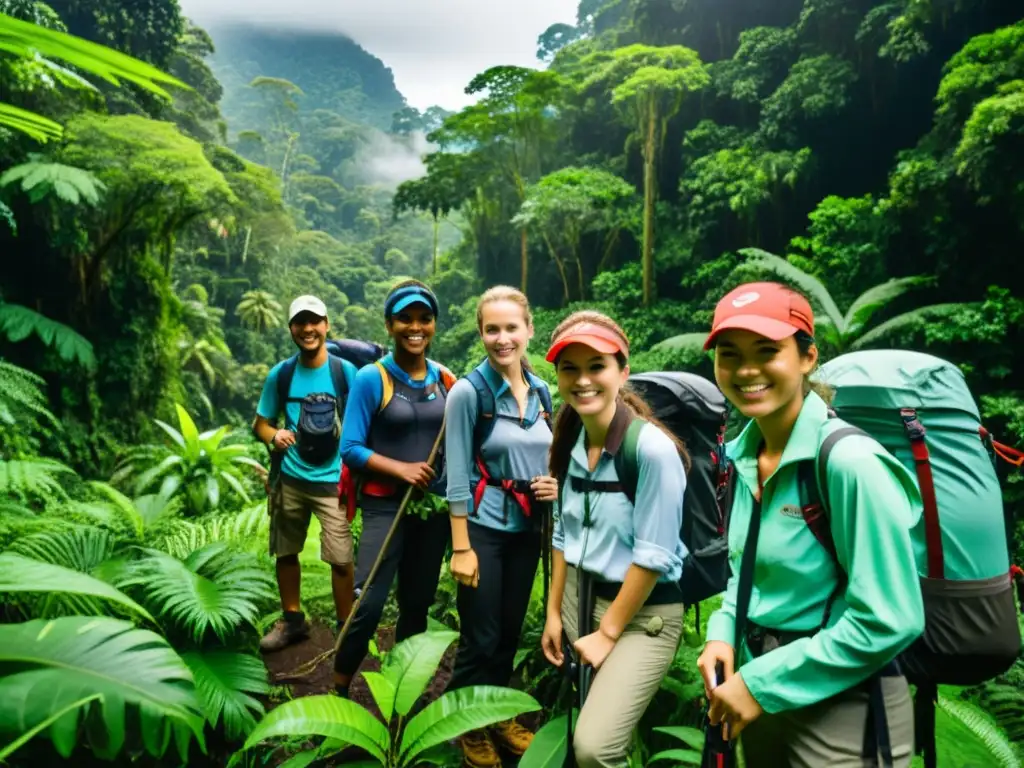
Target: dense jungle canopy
[{"x": 153, "y": 232}]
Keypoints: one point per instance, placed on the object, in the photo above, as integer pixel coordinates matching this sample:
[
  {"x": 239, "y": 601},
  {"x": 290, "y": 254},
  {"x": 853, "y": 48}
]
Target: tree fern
[
  {"x": 224, "y": 681},
  {"x": 212, "y": 589},
  {"x": 40, "y": 179},
  {"x": 19, "y": 322},
  {"x": 180, "y": 537}
]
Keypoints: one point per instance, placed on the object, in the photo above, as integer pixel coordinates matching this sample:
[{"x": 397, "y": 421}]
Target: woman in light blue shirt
[
  {"x": 616, "y": 563},
  {"x": 496, "y": 445}
]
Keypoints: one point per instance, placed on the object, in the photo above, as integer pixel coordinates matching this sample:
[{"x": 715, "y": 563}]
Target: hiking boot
[
  {"x": 291, "y": 629},
  {"x": 478, "y": 750},
  {"x": 512, "y": 736}
]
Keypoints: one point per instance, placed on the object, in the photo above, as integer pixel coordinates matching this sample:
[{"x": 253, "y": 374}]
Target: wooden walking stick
[{"x": 307, "y": 669}]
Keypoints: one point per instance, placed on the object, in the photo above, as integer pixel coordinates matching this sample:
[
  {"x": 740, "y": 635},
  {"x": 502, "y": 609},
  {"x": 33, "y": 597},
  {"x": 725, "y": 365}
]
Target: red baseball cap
[
  {"x": 604, "y": 340},
  {"x": 769, "y": 309}
]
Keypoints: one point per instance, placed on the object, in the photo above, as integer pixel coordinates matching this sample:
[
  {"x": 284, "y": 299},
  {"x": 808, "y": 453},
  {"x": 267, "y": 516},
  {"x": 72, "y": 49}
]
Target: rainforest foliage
[{"x": 158, "y": 214}]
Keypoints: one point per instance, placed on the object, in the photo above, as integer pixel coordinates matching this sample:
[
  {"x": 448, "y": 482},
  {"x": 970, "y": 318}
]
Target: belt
[
  {"x": 664, "y": 592},
  {"x": 762, "y": 640}
]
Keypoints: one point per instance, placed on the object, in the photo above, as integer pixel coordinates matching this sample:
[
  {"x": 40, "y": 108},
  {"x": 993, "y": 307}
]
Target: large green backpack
[{"x": 920, "y": 409}]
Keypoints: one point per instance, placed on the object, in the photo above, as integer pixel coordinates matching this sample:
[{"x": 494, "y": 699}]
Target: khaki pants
[
  {"x": 291, "y": 505},
  {"x": 831, "y": 733},
  {"x": 626, "y": 682}
]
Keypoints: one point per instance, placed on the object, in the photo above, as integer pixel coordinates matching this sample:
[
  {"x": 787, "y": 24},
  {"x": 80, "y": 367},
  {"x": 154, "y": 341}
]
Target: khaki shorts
[{"x": 291, "y": 504}]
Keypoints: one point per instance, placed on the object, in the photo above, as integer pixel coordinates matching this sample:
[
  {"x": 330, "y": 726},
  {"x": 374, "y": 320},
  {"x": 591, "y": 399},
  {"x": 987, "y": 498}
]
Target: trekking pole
[{"x": 308, "y": 668}]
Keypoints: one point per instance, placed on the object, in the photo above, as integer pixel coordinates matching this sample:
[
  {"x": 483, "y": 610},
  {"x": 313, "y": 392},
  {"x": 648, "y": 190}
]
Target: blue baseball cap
[{"x": 406, "y": 297}]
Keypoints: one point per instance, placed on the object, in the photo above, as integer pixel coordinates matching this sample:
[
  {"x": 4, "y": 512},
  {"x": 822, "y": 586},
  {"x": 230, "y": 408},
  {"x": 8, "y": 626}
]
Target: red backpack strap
[{"x": 922, "y": 462}]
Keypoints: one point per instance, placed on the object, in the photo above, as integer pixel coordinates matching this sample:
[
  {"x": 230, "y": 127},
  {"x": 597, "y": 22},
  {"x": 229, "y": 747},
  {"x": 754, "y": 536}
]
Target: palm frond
[
  {"x": 223, "y": 681},
  {"x": 905, "y": 322},
  {"x": 18, "y": 322},
  {"x": 864, "y": 306},
  {"x": 813, "y": 288},
  {"x": 70, "y": 184},
  {"x": 47, "y": 665},
  {"x": 40, "y": 128},
  {"x": 212, "y": 589}
]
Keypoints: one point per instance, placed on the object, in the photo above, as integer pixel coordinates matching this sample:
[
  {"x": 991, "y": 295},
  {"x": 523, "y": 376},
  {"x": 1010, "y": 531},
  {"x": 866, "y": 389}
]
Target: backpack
[
  {"x": 693, "y": 409},
  {"x": 919, "y": 408}
]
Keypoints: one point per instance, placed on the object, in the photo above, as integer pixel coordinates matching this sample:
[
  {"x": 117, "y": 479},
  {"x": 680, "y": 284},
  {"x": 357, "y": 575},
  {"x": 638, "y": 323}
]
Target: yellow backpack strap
[{"x": 387, "y": 384}]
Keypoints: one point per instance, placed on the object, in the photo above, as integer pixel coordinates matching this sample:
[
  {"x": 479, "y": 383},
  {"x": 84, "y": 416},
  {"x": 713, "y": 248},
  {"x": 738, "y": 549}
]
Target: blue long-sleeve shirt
[
  {"x": 645, "y": 533},
  {"x": 517, "y": 448}
]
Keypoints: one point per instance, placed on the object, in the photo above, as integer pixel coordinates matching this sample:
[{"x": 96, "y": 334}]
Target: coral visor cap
[
  {"x": 767, "y": 309},
  {"x": 592, "y": 335}
]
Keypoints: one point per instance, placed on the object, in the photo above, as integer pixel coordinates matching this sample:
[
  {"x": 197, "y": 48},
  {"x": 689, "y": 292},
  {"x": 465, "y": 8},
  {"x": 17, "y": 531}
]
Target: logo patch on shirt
[{"x": 791, "y": 510}]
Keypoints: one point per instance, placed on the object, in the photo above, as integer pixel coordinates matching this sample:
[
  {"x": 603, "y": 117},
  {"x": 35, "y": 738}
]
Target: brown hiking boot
[
  {"x": 284, "y": 633},
  {"x": 512, "y": 736},
  {"x": 478, "y": 750}
]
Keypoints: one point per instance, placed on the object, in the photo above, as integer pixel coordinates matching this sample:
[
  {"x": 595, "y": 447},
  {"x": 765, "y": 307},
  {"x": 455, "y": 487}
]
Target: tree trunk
[
  {"x": 561, "y": 271},
  {"x": 524, "y": 255},
  {"x": 649, "y": 183},
  {"x": 437, "y": 227}
]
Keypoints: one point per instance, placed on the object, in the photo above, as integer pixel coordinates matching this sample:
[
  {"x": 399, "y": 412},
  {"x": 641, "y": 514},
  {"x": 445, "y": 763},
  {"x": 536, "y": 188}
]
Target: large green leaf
[
  {"x": 223, "y": 681},
  {"x": 981, "y": 729},
  {"x": 813, "y": 288},
  {"x": 329, "y": 716},
  {"x": 47, "y": 665},
  {"x": 383, "y": 692},
  {"x": 412, "y": 664},
  {"x": 40, "y": 179},
  {"x": 459, "y": 711},
  {"x": 677, "y": 756},
  {"x": 23, "y": 574},
  {"x": 548, "y": 748},
  {"x": 905, "y": 322},
  {"x": 876, "y": 297},
  {"x": 686, "y": 342}
]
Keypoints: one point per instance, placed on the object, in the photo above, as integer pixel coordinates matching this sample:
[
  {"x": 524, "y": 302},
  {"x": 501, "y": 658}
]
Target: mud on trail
[{"x": 321, "y": 681}]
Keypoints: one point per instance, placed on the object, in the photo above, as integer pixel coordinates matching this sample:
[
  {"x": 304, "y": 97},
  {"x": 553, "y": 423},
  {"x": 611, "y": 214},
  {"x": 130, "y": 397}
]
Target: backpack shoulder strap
[
  {"x": 339, "y": 381},
  {"x": 447, "y": 379},
  {"x": 545, "y": 402},
  {"x": 627, "y": 465},
  {"x": 387, "y": 384},
  {"x": 485, "y": 408},
  {"x": 285, "y": 374}
]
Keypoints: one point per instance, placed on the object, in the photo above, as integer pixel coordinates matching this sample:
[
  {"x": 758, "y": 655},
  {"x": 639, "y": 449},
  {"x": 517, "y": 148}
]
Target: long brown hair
[
  {"x": 567, "y": 422},
  {"x": 505, "y": 293}
]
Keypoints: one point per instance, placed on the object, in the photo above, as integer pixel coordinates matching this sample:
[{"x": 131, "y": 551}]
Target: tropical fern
[
  {"x": 975, "y": 720},
  {"x": 18, "y": 322},
  {"x": 213, "y": 588},
  {"x": 7, "y": 215},
  {"x": 22, "y": 397},
  {"x": 180, "y": 537},
  {"x": 33, "y": 478},
  {"x": 223, "y": 681},
  {"x": 40, "y": 179}
]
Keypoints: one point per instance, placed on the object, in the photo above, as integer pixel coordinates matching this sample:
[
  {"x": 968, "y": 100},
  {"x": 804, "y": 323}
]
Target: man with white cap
[{"x": 309, "y": 389}]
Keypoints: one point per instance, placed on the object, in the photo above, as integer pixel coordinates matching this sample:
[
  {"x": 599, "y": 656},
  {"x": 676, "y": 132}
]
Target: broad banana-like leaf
[
  {"x": 548, "y": 748},
  {"x": 48, "y": 665},
  {"x": 459, "y": 711},
  {"x": 23, "y": 574},
  {"x": 330, "y": 716},
  {"x": 809, "y": 285},
  {"x": 411, "y": 665}
]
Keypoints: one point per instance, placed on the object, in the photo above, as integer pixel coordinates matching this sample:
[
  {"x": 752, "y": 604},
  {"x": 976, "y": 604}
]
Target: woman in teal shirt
[{"x": 818, "y": 632}]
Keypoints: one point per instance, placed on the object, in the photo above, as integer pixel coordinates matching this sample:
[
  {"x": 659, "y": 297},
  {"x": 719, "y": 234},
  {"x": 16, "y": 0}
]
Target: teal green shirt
[
  {"x": 306, "y": 381},
  {"x": 874, "y": 505}
]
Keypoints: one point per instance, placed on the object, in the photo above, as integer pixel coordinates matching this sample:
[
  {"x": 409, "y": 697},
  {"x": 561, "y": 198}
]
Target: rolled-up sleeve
[
  {"x": 363, "y": 401},
  {"x": 558, "y": 529},
  {"x": 872, "y": 507},
  {"x": 460, "y": 417},
  {"x": 658, "y": 511}
]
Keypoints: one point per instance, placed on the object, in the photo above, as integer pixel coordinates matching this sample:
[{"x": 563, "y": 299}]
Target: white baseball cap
[{"x": 307, "y": 304}]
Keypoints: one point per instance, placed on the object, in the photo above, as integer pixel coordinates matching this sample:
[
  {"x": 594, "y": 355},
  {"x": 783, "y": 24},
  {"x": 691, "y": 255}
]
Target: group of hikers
[{"x": 822, "y": 596}]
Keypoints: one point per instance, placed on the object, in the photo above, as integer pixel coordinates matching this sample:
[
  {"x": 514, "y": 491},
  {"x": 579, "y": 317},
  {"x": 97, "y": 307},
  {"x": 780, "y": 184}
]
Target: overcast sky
[{"x": 434, "y": 47}]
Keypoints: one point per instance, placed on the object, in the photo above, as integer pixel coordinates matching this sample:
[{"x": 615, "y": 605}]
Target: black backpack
[
  {"x": 693, "y": 409},
  {"x": 318, "y": 431}
]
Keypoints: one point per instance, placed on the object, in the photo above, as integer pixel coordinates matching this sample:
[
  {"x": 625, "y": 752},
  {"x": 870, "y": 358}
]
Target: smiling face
[
  {"x": 588, "y": 381},
  {"x": 764, "y": 379},
  {"x": 413, "y": 329},
  {"x": 505, "y": 332},
  {"x": 309, "y": 332}
]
